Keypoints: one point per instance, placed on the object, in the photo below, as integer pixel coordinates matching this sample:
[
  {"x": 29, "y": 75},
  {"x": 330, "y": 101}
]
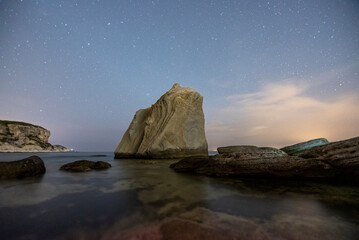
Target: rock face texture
[
  {"x": 25, "y": 137},
  {"x": 252, "y": 151},
  {"x": 171, "y": 128},
  {"x": 341, "y": 155},
  {"x": 338, "y": 159},
  {"x": 60, "y": 148},
  {"x": 299, "y": 148},
  {"x": 232, "y": 165},
  {"x": 28, "y": 167},
  {"x": 85, "y": 166}
]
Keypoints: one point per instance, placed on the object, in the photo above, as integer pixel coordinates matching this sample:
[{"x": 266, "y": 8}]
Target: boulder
[
  {"x": 251, "y": 151},
  {"x": 171, "y": 128},
  {"x": 85, "y": 166},
  {"x": 28, "y": 167},
  {"x": 299, "y": 148}
]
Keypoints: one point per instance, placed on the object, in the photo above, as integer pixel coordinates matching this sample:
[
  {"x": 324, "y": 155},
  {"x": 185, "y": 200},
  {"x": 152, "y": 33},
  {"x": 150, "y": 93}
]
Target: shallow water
[{"x": 145, "y": 199}]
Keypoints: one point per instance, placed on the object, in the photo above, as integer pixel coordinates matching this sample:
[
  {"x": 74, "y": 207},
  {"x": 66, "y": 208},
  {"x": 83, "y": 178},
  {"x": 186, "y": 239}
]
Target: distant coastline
[{"x": 16, "y": 136}]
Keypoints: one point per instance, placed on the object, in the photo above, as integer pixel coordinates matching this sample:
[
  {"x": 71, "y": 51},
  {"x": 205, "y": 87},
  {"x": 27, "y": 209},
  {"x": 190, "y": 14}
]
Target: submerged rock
[
  {"x": 85, "y": 166},
  {"x": 339, "y": 159},
  {"x": 299, "y": 148},
  {"x": 171, "y": 128},
  {"x": 26, "y": 137},
  {"x": 28, "y": 167},
  {"x": 252, "y": 151},
  {"x": 203, "y": 223}
]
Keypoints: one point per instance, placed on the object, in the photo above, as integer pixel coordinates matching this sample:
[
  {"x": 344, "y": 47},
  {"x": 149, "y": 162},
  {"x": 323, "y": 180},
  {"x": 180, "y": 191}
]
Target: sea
[{"x": 146, "y": 199}]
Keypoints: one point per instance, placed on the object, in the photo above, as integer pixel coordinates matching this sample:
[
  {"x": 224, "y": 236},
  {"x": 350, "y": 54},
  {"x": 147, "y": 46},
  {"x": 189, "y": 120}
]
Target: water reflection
[{"x": 147, "y": 200}]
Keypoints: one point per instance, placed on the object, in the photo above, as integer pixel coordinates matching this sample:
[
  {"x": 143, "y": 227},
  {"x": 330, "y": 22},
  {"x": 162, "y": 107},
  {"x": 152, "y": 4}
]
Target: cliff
[
  {"x": 172, "y": 127},
  {"x": 25, "y": 137}
]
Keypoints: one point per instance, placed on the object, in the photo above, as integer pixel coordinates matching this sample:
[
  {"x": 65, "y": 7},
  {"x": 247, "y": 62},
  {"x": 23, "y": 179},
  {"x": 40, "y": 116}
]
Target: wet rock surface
[
  {"x": 28, "y": 167},
  {"x": 203, "y": 224},
  {"x": 85, "y": 166}
]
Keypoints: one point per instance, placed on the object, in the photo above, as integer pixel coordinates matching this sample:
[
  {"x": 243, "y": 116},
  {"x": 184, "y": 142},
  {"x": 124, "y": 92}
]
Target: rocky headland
[
  {"x": 337, "y": 159},
  {"x": 173, "y": 127},
  {"x": 26, "y": 137}
]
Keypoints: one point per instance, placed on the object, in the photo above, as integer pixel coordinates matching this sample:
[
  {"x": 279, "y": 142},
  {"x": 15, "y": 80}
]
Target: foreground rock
[
  {"x": 299, "y": 148},
  {"x": 25, "y": 137},
  {"x": 234, "y": 165},
  {"x": 173, "y": 127},
  {"x": 28, "y": 167},
  {"x": 340, "y": 155},
  {"x": 85, "y": 166},
  {"x": 252, "y": 151},
  {"x": 339, "y": 159}
]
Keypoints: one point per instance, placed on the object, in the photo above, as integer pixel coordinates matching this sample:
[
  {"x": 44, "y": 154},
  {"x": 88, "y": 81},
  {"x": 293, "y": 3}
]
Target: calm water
[{"x": 147, "y": 200}]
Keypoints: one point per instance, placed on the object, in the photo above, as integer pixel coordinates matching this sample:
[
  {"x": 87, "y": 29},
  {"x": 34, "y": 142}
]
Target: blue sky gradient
[{"x": 82, "y": 68}]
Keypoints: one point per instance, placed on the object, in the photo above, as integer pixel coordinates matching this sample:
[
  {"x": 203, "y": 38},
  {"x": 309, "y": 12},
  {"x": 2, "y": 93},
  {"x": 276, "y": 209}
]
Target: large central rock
[{"x": 171, "y": 128}]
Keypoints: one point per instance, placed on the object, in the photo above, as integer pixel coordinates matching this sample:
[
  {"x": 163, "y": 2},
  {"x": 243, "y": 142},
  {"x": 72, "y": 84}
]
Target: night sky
[{"x": 272, "y": 73}]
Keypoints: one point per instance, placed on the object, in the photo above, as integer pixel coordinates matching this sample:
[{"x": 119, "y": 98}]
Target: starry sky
[{"x": 272, "y": 73}]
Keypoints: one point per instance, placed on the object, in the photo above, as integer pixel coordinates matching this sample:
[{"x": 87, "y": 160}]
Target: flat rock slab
[
  {"x": 28, "y": 167},
  {"x": 287, "y": 167},
  {"x": 85, "y": 166},
  {"x": 251, "y": 151}
]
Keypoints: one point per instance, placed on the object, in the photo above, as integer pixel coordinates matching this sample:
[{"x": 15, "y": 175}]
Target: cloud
[{"x": 282, "y": 113}]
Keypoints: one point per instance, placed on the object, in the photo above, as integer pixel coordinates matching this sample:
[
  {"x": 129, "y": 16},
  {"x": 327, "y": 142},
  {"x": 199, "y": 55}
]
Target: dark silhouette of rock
[
  {"x": 299, "y": 148},
  {"x": 28, "y": 167},
  {"x": 85, "y": 166}
]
